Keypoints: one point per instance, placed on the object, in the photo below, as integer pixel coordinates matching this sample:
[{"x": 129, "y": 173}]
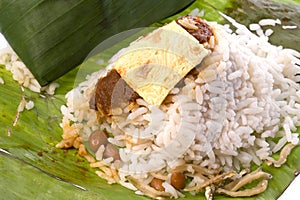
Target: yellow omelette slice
[{"x": 155, "y": 63}]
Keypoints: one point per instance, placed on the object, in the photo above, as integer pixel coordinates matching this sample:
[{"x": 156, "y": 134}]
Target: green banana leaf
[
  {"x": 32, "y": 168},
  {"x": 53, "y": 37}
]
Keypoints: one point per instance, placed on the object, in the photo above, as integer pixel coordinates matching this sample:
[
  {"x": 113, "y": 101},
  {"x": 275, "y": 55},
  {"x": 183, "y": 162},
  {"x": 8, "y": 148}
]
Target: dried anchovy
[
  {"x": 237, "y": 179},
  {"x": 216, "y": 179},
  {"x": 259, "y": 188},
  {"x": 197, "y": 168},
  {"x": 244, "y": 171},
  {"x": 282, "y": 157},
  {"x": 109, "y": 179},
  {"x": 82, "y": 152},
  {"x": 148, "y": 190},
  {"x": 209, "y": 192},
  {"x": 255, "y": 175},
  {"x": 200, "y": 176},
  {"x": 159, "y": 176}
]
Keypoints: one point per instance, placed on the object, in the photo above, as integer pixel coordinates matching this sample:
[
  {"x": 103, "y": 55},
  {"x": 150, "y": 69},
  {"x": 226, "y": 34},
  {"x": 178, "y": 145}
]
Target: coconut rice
[
  {"x": 21, "y": 73},
  {"x": 240, "y": 106}
]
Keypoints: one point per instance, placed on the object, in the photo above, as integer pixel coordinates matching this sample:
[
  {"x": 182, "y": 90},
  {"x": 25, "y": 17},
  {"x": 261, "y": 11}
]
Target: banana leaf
[
  {"x": 32, "y": 168},
  {"x": 53, "y": 37}
]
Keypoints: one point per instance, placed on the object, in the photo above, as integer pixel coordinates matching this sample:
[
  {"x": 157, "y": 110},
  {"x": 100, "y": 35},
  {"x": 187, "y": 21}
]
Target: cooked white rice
[
  {"x": 245, "y": 95},
  {"x": 29, "y": 105},
  {"x": 289, "y": 27},
  {"x": 21, "y": 73}
]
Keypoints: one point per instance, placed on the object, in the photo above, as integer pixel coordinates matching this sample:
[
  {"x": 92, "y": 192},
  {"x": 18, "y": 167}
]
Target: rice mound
[{"x": 228, "y": 113}]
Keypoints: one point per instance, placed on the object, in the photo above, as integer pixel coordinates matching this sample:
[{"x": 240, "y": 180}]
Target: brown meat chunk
[
  {"x": 196, "y": 27},
  {"x": 112, "y": 92}
]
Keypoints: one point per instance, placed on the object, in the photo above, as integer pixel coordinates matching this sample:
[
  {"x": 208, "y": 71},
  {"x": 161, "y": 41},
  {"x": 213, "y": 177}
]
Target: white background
[
  {"x": 3, "y": 42},
  {"x": 291, "y": 193}
]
